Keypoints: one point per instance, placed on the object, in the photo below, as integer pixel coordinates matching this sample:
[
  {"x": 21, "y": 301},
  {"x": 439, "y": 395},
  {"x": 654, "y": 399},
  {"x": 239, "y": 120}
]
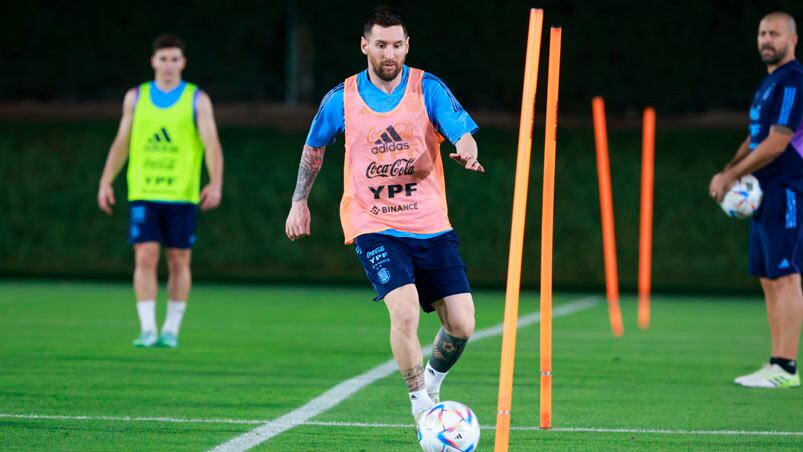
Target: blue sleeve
[
  {"x": 445, "y": 111},
  {"x": 787, "y": 106},
  {"x": 329, "y": 121}
]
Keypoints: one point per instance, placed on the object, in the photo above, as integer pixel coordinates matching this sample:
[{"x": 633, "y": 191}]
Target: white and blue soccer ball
[
  {"x": 743, "y": 198},
  {"x": 449, "y": 427}
]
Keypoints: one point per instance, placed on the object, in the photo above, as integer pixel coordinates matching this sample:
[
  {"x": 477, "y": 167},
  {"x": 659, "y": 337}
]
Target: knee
[
  {"x": 463, "y": 329},
  {"x": 406, "y": 319},
  {"x": 178, "y": 262},
  {"x": 147, "y": 258},
  {"x": 459, "y": 321}
]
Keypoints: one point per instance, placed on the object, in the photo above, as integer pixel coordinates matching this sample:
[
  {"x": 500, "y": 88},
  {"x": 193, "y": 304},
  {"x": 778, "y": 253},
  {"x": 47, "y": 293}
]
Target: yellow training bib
[{"x": 165, "y": 154}]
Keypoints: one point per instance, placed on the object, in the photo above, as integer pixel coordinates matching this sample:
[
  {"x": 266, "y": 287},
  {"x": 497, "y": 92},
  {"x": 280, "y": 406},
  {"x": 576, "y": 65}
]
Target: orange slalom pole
[
  {"x": 547, "y": 224},
  {"x": 645, "y": 225},
  {"x": 517, "y": 230},
  {"x": 606, "y": 209}
]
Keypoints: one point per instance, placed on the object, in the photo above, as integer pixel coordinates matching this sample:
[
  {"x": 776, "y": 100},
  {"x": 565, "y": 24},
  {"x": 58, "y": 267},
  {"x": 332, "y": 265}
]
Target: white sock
[
  {"x": 420, "y": 401},
  {"x": 147, "y": 315},
  {"x": 432, "y": 381},
  {"x": 175, "y": 312}
]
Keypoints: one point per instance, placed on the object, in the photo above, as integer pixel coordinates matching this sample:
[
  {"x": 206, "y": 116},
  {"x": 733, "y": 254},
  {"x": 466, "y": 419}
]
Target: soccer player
[
  {"x": 773, "y": 152},
  {"x": 167, "y": 129},
  {"x": 394, "y": 203}
]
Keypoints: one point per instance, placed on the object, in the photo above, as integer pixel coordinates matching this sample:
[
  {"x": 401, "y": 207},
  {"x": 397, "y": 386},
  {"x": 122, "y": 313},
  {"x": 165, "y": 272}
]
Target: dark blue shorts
[
  {"x": 170, "y": 223},
  {"x": 775, "y": 233},
  {"x": 434, "y": 265}
]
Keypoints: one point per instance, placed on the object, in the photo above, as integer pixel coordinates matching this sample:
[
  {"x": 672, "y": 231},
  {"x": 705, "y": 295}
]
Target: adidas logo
[
  {"x": 161, "y": 142},
  {"x": 784, "y": 264},
  {"x": 161, "y": 137},
  {"x": 389, "y": 141}
]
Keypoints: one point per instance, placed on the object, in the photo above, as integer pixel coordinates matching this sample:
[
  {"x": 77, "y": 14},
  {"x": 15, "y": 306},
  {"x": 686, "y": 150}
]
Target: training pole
[
  {"x": 547, "y": 223},
  {"x": 645, "y": 226},
  {"x": 517, "y": 230},
  {"x": 606, "y": 210}
]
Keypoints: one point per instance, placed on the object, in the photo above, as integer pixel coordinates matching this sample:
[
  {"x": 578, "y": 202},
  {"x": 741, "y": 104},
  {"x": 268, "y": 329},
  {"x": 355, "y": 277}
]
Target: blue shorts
[
  {"x": 434, "y": 265},
  {"x": 170, "y": 223},
  {"x": 775, "y": 234}
]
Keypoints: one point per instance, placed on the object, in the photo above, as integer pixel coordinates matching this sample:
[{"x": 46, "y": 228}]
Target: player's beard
[
  {"x": 774, "y": 57},
  {"x": 380, "y": 71}
]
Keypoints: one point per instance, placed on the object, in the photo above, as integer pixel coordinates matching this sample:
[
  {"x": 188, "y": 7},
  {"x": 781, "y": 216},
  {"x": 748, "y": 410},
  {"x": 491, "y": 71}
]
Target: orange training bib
[{"x": 393, "y": 173}]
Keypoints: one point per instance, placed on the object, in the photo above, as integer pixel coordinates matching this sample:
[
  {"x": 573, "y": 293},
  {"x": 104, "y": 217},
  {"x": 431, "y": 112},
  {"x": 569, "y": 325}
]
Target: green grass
[{"x": 250, "y": 352}]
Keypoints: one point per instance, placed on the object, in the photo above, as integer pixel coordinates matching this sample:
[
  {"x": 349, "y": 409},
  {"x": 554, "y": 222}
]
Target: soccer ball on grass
[{"x": 449, "y": 427}]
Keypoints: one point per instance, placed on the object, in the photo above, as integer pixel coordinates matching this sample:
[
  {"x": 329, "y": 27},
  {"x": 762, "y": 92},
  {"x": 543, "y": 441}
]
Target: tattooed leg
[
  {"x": 414, "y": 378},
  {"x": 446, "y": 350},
  {"x": 420, "y": 399},
  {"x": 402, "y": 304}
]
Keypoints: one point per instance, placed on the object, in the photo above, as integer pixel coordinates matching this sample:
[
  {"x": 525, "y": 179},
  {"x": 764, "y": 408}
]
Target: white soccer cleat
[
  {"x": 420, "y": 405},
  {"x": 757, "y": 374},
  {"x": 774, "y": 377},
  {"x": 419, "y": 414}
]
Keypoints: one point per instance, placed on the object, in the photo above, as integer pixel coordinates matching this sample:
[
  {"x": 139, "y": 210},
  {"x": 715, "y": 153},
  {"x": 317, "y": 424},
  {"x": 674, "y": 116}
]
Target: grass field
[{"x": 70, "y": 380}]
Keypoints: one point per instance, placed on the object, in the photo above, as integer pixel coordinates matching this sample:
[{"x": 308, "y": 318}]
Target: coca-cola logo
[{"x": 401, "y": 167}]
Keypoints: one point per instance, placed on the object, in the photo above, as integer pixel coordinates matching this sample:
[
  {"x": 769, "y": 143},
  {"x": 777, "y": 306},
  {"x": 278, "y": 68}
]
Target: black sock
[{"x": 788, "y": 365}]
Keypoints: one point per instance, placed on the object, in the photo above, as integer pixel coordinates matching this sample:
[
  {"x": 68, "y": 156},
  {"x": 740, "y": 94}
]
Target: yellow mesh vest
[{"x": 165, "y": 154}]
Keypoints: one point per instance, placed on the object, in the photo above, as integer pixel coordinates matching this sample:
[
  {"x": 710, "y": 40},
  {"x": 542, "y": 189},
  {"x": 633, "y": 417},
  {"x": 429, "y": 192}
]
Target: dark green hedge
[
  {"x": 50, "y": 224},
  {"x": 679, "y": 56}
]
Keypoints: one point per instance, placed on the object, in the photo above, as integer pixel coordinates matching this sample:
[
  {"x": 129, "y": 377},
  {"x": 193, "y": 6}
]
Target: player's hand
[
  {"x": 467, "y": 160},
  {"x": 720, "y": 184},
  {"x": 298, "y": 221},
  {"x": 106, "y": 198},
  {"x": 210, "y": 197}
]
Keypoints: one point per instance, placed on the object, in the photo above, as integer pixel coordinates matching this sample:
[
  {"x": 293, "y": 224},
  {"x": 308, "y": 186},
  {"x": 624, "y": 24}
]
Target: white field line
[
  {"x": 577, "y": 429},
  {"x": 169, "y": 420},
  {"x": 401, "y": 426},
  {"x": 345, "y": 389}
]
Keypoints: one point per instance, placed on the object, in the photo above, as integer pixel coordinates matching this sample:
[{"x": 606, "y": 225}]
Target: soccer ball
[
  {"x": 743, "y": 198},
  {"x": 449, "y": 427}
]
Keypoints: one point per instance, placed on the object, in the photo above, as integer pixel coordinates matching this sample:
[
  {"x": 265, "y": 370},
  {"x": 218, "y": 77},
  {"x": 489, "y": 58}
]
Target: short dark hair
[
  {"x": 169, "y": 41},
  {"x": 384, "y": 16}
]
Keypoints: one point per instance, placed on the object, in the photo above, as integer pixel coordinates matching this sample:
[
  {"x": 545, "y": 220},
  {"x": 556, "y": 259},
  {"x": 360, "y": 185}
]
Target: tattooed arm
[{"x": 298, "y": 220}]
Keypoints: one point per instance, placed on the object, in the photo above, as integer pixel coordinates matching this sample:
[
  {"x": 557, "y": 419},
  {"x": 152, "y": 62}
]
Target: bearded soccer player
[
  {"x": 167, "y": 129},
  {"x": 394, "y": 203},
  {"x": 773, "y": 152}
]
